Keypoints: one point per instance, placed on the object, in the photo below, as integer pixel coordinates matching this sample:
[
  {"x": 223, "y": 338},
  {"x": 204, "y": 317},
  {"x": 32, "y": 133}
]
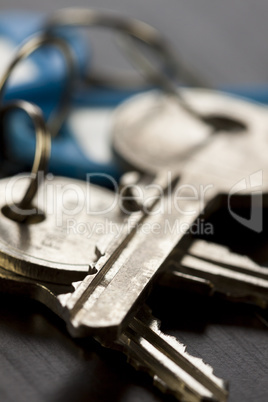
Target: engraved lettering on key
[{"x": 46, "y": 250}]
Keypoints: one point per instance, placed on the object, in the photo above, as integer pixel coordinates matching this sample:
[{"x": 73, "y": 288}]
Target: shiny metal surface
[
  {"x": 17, "y": 210},
  {"x": 63, "y": 246},
  {"x": 104, "y": 302},
  {"x": 152, "y": 132},
  {"x": 215, "y": 269},
  {"x": 122, "y": 266}
]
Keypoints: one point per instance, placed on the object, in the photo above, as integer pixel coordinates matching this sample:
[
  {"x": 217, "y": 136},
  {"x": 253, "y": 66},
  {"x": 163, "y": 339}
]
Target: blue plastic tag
[
  {"x": 81, "y": 148},
  {"x": 257, "y": 93},
  {"x": 44, "y": 73}
]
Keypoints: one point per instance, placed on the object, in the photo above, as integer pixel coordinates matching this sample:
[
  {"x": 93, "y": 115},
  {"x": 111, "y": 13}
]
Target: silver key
[
  {"x": 61, "y": 247},
  {"x": 152, "y": 132},
  {"x": 227, "y": 159},
  {"x": 121, "y": 268},
  {"x": 174, "y": 371}
]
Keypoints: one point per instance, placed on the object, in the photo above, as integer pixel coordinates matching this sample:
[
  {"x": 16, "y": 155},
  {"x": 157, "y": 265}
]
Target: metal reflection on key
[{"x": 152, "y": 132}]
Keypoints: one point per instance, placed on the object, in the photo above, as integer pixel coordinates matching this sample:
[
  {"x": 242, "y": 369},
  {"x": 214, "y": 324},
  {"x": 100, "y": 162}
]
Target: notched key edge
[{"x": 174, "y": 370}]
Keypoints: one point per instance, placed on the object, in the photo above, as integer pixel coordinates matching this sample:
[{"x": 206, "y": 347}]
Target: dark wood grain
[{"x": 40, "y": 362}]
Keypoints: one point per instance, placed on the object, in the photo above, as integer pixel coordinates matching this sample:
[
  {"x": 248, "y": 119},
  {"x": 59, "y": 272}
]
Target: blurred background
[{"x": 225, "y": 42}]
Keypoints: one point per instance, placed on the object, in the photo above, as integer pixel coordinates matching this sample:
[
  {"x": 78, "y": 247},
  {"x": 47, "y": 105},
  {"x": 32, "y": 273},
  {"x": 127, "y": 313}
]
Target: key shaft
[{"x": 105, "y": 302}]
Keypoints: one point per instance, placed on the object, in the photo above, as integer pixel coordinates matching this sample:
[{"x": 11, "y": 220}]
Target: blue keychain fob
[{"x": 43, "y": 74}]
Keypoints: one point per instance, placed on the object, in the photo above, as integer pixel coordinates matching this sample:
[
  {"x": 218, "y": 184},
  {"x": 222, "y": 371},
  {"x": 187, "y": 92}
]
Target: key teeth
[
  {"x": 198, "y": 364},
  {"x": 202, "y": 366},
  {"x": 196, "y": 361}
]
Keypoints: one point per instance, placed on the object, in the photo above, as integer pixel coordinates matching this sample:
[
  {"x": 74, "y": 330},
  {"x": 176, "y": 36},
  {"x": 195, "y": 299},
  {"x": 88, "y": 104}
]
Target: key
[
  {"x": 241, "y": 278},
  {"x": 152, "y": 131},
  {"x": 233, "y": 275},
  {"x": 174, "y": 371},
  {"x": 61, "y": 245},
  {"x": 122, "y": 266}
]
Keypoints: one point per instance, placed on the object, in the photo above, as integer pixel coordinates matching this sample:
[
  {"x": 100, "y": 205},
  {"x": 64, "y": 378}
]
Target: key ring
[
  {"x": 139, "y": 30},
  {"x": 25, "y": 50},
  {"x": 168, "y": 85},
  {"x": 19, "y": 211}
]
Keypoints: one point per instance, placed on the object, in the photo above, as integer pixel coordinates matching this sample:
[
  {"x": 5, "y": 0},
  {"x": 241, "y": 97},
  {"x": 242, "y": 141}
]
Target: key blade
[
  {"x": 112, "y": 296},
  {"x": 230, "y": 274},
  {"x": 214, "y": 252},
  {"x": 174, "y": 370},
  {"x": 142, "y": 342},
  {"x": 105, "y": 302}
]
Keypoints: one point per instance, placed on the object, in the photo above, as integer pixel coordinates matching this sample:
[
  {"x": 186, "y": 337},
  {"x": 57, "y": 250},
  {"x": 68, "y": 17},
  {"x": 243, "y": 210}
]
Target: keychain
[{"x": 84, "y": 145}]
